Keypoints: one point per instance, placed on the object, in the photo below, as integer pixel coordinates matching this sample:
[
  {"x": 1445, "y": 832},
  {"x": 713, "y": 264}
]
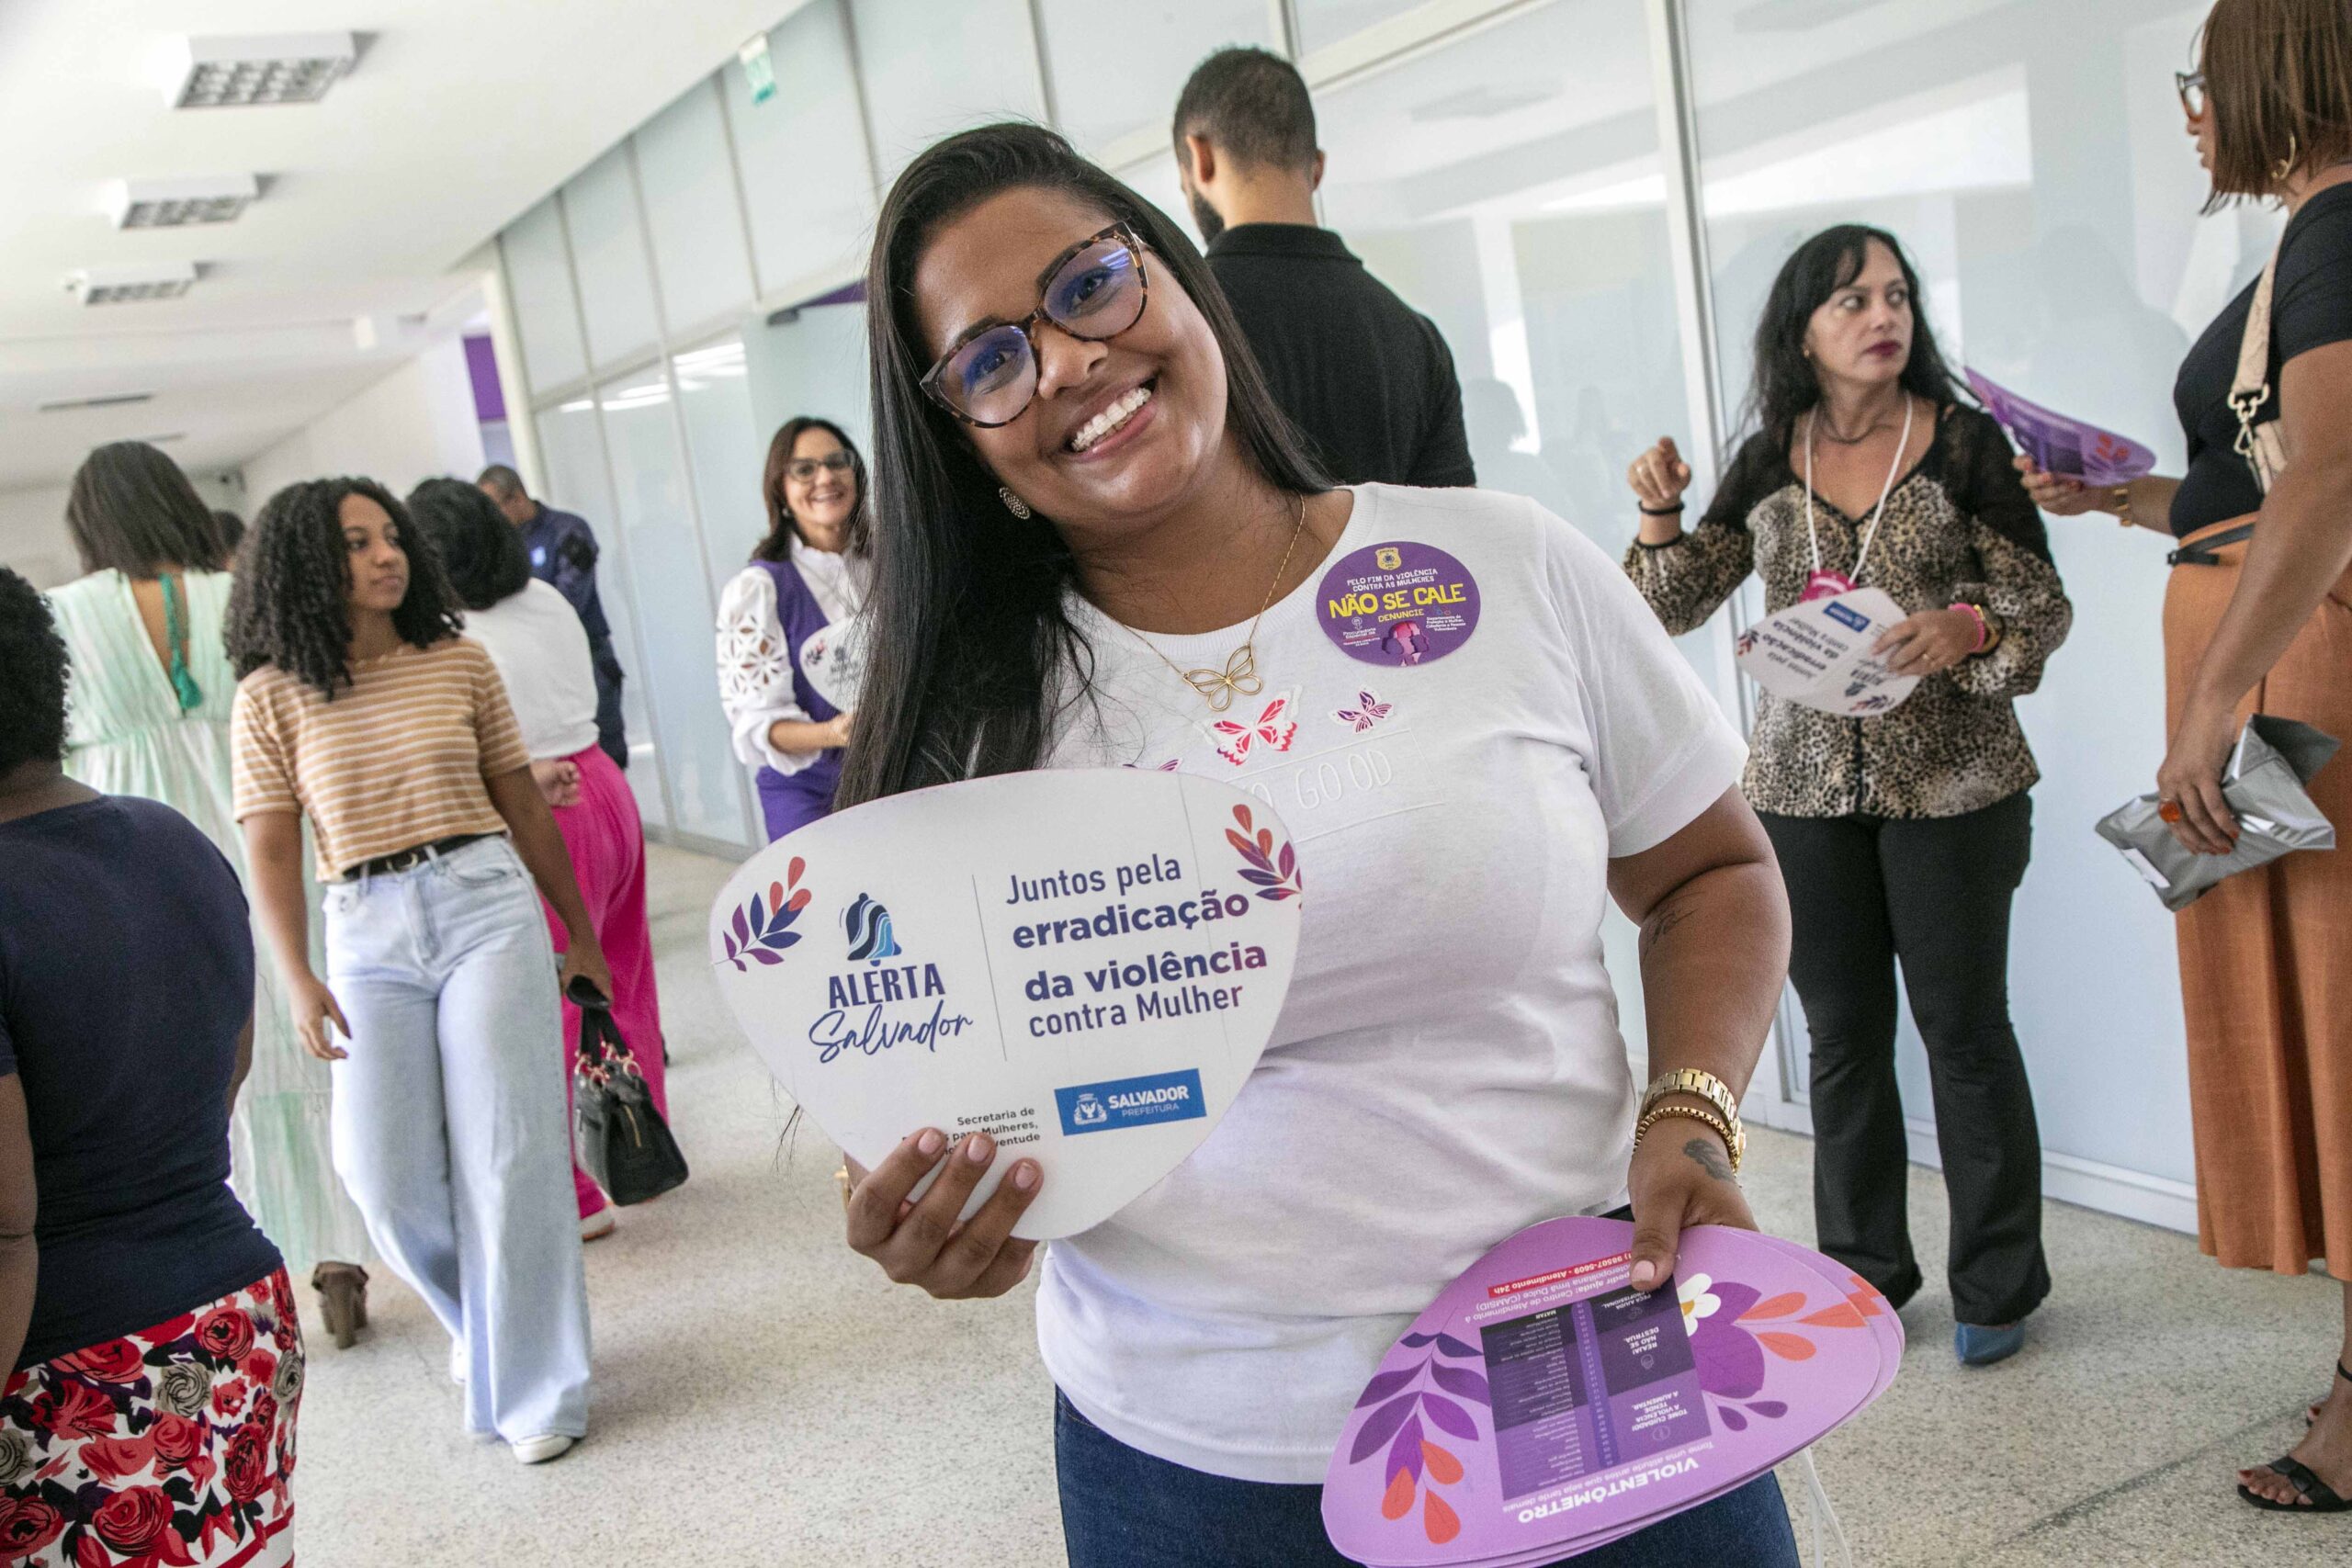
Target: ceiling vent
[
  {"x": 128, "y": 285},
  {"x": 112, "y": 400},
  {"x": 224, "y": 72},
  {"x": 175, "y": 203}
]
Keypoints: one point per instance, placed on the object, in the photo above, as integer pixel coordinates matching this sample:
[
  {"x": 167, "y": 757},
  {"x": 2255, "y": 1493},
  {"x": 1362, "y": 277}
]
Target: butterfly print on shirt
[
  {"x": 1271, "y": 730},
  {"x": 1369, "y": 710}
]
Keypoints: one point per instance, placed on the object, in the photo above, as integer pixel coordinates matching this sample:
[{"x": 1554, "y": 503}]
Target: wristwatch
[{"x": 1707, "y": 1087}]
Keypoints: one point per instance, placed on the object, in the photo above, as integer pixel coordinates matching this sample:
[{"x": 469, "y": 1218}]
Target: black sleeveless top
[{"x": 2310, "y": 307}]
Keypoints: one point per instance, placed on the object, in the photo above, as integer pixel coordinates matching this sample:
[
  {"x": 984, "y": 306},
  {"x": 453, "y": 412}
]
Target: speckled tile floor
[{"x": 765, "y": 1397}]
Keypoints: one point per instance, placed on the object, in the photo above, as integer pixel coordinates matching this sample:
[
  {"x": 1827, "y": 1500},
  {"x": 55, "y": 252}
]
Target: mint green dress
[{"x": 138, "y": 728}]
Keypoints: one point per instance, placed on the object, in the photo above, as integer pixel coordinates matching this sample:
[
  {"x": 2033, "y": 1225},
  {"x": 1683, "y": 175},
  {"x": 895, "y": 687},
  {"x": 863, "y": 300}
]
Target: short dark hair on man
[
  {"x": 503, "y": 479},
  {"x": 33, "y": 677},
  {"x": 1252, "y": 106},
  {"x": 478, "y": 549},
  {"x": 232, "y": 529},
  {"x": 132, "y": 509}
]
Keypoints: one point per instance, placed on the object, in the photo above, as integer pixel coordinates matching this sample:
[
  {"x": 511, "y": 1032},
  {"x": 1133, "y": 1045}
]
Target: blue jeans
[
  {"x": 450, "y": 1130},
  {"x": 1121, "y": 1509}
]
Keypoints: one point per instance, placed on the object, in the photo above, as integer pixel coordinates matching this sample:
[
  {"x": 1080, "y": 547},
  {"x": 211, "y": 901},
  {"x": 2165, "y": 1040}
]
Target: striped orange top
[{"x": 397, "y": 760}]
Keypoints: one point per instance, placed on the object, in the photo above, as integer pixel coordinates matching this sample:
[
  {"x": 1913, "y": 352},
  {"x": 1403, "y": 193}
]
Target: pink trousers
[{"x": 608, "y": 845}]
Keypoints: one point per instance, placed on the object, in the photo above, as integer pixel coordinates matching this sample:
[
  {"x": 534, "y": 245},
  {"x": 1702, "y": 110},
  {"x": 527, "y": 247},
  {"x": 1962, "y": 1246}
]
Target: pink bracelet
[{"x": 1984, "y": 630}]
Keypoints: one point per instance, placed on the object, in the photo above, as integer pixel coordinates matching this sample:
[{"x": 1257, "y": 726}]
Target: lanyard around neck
[{"x": 1878, "y": 513}]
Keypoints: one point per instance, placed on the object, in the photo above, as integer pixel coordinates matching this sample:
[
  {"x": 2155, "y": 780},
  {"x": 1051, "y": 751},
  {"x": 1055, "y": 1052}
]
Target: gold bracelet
[
  {"x": 2122, "y": 499},
  {"x": 1734, "y": 1145},
  {"x": 1692, "y": 1080}
]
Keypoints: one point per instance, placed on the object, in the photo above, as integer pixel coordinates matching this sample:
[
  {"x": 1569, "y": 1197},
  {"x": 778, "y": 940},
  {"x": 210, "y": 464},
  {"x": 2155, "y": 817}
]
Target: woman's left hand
[
  {"x": 1928, "y": 641},
  {"x": 1681, "y": 1177},
  {"x": 2191, "y": 776},
  {"x": 585, "y": 959}
]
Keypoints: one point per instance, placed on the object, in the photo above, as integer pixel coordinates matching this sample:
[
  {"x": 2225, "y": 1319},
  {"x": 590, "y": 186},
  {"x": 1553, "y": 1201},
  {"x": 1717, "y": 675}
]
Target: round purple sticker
[{"x": 1398, "y": 604}]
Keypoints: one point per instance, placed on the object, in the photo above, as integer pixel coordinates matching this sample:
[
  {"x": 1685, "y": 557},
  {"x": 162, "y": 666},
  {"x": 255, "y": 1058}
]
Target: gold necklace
[{"x": 1239, "y": 677}]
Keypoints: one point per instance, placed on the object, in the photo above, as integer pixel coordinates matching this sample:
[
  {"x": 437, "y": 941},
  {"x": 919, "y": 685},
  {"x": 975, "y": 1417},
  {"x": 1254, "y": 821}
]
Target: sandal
[
  {"x": 343, "y": 1301},
  {"x": 2313, "y": 1496}
]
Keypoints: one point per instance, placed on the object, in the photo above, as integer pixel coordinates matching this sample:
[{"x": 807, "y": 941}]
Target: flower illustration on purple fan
[
  {"x": 1731, "y": 1358},
  {"x": 1416, "y": 1464},
  {"x": 762, "y": 928}
]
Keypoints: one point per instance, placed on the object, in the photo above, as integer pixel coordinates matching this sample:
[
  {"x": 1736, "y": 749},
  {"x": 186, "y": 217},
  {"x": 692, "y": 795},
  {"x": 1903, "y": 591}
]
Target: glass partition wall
[{"x": 1591, "y": 199}]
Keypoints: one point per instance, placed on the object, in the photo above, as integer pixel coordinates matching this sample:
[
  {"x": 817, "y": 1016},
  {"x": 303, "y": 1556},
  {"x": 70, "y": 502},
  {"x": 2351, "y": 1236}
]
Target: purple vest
[{"x": 793, "y": 800}]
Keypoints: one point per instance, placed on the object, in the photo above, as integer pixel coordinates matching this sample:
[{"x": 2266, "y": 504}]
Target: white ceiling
[{"x": 376, "y": 201}]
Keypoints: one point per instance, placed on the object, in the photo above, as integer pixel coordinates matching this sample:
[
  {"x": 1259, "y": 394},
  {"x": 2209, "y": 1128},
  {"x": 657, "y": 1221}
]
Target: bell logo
[{"x": 1387, "y": 557}]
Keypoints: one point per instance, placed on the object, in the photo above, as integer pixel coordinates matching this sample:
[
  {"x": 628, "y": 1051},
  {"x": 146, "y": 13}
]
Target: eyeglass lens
[
  {"x": 1096, "y": 294},
  {"x": 805, "y": 468},
  {"x": 2191, "y": 86}
]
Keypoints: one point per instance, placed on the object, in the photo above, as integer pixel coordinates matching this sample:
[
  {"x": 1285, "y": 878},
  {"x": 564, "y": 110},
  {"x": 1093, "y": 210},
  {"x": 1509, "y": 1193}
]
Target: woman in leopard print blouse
[{"x": 1900, "y": 836}]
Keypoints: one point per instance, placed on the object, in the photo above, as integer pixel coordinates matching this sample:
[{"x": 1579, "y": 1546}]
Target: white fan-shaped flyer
[{"x": 1083, "y": 964}]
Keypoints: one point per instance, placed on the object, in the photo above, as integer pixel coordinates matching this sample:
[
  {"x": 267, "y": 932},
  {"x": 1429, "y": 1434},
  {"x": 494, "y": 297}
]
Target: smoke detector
[
  {"x": 172, "y": 203},
  {"x": 129, "y": 285},
  {"x": 223, "y": 71}
]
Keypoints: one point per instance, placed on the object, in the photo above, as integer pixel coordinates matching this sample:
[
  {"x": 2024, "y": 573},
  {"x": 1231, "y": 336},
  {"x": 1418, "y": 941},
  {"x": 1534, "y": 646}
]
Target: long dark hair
[
  {"x": 969, "y": 624},
  {"x": 291, "y": 607},
  {"x": 132, "y": 510},
  {"x": 480, "y": 552},
  {"x": 857, "y": 539},
  {"x": 1784, "y": 385}
]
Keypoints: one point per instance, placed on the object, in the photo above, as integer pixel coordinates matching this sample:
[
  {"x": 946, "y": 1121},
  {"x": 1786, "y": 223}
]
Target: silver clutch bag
[{"x": 2264, "y": 785}]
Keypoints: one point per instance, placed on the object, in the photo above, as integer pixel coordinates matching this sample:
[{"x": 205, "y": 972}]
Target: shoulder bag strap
[{"x": 2260, "y": 445}]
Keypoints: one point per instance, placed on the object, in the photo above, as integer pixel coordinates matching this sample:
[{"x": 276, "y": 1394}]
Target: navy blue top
[{"x": 126, "y": 975}]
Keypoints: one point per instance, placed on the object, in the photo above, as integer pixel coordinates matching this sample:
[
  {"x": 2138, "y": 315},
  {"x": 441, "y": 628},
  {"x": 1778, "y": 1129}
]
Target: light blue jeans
[{"x": 450, "y": 1129}]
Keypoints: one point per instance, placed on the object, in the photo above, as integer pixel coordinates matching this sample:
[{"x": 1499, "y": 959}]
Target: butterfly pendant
[
  {"x": 1367, "y": 714},
  {"x": 1270, "y": 731},
  {"x": 1239, "y": 676}
]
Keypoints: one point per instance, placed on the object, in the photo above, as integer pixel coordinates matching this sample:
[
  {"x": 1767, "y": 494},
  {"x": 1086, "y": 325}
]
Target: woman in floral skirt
[{"x": 157, "y": 1360}]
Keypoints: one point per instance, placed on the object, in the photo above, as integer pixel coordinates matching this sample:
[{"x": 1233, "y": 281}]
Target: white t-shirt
[
  {"x": 1447, "y": 1068},
  {"x": 541, "y": 650}
]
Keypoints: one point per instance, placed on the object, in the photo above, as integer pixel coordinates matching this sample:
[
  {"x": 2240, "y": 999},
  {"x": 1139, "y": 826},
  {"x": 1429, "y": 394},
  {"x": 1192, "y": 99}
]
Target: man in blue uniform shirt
[{"x": 562, "y": 548}]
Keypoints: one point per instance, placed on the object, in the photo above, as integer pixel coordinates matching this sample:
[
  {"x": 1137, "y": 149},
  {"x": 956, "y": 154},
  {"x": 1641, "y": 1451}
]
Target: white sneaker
[
  {"x": 598, "y": 1225},
  {"x": 541, "y": 1448}
]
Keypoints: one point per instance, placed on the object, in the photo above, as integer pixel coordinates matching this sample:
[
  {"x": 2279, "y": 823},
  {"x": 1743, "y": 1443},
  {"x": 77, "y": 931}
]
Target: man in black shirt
[{"x": 1367, "y": 377}]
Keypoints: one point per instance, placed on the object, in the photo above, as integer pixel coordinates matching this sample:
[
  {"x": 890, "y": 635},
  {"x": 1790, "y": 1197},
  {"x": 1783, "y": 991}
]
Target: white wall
[
  {"x": 415, "y": 423},
  {"x": 32, "y": 535}
]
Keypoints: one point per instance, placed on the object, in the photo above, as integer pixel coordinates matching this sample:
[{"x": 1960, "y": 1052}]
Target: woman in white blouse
[
  {"x": 810, "y": 572},
  {"x": 535, "y": 638}
]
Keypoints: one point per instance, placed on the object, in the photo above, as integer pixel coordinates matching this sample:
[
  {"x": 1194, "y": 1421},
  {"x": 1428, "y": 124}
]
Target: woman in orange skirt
[{"x": 2259, "y": 620}]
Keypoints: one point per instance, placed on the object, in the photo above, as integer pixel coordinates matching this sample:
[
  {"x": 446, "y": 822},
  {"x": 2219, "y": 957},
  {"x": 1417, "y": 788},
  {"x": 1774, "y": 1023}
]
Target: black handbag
[{"x": 619, "y": 1137}]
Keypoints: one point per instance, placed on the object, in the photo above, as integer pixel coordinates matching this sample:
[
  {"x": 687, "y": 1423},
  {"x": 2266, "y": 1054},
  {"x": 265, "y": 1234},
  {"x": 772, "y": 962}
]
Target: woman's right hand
[
  {"x": 920, "y": 1243},
  {"x": 1659, "y": 476},
  {"x": 314, "y": 1007},
  {"x": 2057, "y": 494}
]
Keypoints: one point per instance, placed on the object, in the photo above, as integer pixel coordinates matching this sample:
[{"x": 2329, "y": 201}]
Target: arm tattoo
[
  {"x": 1709, "y": 1158},
  {"x": 1663, "y": 920}
]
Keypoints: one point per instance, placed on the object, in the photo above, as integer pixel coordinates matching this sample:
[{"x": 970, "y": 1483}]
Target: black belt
[
  {"x": 2207, "y": 551},
  {"x": 409, "y": 860}
]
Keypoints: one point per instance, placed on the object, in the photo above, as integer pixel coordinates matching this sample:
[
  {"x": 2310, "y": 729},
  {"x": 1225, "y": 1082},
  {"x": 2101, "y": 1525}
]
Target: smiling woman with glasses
[
  {"x": 1106, "y": 549},
  {"x": 809, "y": 573}
]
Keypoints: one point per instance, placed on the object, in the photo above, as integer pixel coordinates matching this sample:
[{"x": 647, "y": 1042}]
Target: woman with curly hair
[
  {"x": 150, "y": 1326},
  {"x": 535, "y": 638},
  {"x": 152, "y": 687},
  {"x": 361, "y": 707}
]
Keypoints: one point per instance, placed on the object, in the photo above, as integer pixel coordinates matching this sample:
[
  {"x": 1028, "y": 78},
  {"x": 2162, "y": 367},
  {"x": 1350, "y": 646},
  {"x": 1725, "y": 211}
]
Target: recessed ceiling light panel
[
  {"x": 220, "y": 70},
  {"x": 130, "y": 284},
  {"x": 172, "y": 203}
]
